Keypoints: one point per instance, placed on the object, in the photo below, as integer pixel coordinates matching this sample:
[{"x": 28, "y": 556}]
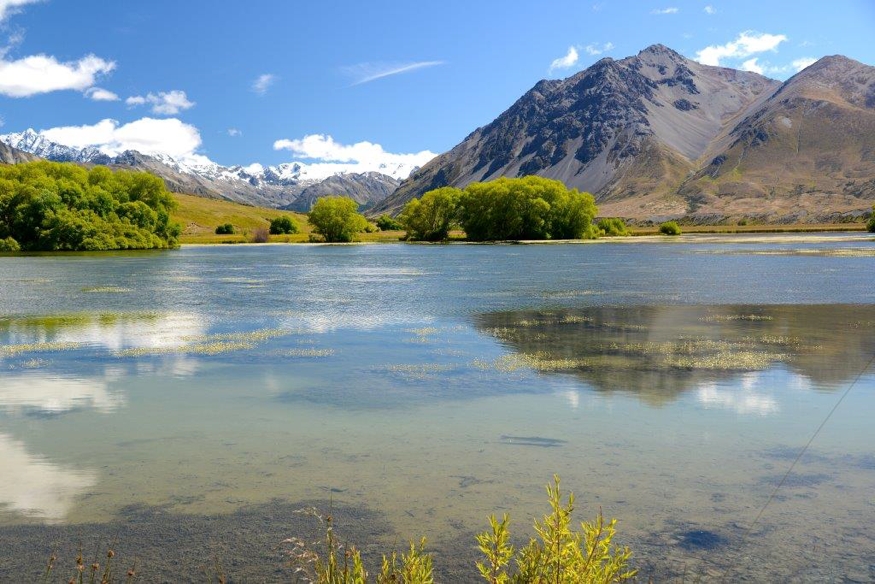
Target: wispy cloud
[
  {"x": 748, "y": 44},
  {"x": 669, "y": 10},
  {"x": 594, "y": 49},
  {"x": 367, "y": 72},
  {"x": 263, "y": 82},
  {"x": 566, "y": 62},
  {"x": 164, "y": 103},
  {"x": 710, "y": 9},
  {"x": 800, "y": 64},
  {"x": 10, "y": 7},
  {"x": 234, "y": 132},
  {"x": 98, "y": 94}
]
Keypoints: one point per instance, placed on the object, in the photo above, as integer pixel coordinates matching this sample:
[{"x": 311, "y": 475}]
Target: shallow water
[{"x": 670, "y": 384}]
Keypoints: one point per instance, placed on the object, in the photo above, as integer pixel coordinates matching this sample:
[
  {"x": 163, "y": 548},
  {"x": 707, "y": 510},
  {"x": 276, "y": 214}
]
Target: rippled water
[{"x": 670, "y": 384}]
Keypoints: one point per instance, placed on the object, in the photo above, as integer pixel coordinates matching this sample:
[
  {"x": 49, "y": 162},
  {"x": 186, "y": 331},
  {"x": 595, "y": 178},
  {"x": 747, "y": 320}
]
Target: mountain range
[
  {"x": 658, "y": 136},
  {"x": 655, "y": 136},
  {"x": 293, "y": 186}
]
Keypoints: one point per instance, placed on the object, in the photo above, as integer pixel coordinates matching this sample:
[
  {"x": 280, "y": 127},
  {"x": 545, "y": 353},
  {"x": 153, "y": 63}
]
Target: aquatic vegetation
[
  {"x": 306, "y": 353},
  {"x": 13, "y": 350},
  {"x": 215, "y": 344},
  {"x": 255, "y": 336},
  {"x": 107, "y": 290},
  {"x": 419, "y": 371}
]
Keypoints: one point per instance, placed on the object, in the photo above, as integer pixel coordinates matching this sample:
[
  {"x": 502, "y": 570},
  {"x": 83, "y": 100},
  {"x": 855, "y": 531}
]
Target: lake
[{"x": 181, "y": 406}]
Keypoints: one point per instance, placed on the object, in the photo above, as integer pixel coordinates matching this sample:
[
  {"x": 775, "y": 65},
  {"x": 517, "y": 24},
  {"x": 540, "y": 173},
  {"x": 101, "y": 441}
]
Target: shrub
[
  {"x": 9, "y": 244},
  {"x": 670, "y": 228},
  {"x": 260, "y": 235},
  {"x": 559, "y": 554},
  {"x": 283, "y": 226},
  {"x": 226, "y": 229},
  {"x": 871, "y": 224},
  {"x": 612, "y": 227},
  {"x": 387, "y": 223},
  {"x": 336, "y": 219}
]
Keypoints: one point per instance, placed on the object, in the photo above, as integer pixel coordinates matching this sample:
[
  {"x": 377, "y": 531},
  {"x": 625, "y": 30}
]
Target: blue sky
[{"x": 346, "y": 81}]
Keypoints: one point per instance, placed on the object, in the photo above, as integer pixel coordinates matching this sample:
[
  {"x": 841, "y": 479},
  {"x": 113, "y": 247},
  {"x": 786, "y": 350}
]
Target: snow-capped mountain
[{"x": 273, "y": 186}]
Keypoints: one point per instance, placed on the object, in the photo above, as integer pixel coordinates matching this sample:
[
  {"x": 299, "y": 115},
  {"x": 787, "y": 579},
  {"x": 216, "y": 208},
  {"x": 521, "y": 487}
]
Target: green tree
[
  {"x": 282, "y": 226},
  {"x": 225, "y": 229},
  {"x": 59, "y": 206},
  {"x": 531, "y": 207},
  {"x": 336, "y": 219},
  {"x": 430, "y": 217},
  {"x": 870, "y": 225}
]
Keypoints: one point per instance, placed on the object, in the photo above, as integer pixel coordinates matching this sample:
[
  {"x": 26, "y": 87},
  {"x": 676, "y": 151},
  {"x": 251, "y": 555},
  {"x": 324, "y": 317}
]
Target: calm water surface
[{"x": 670, "y": 384}]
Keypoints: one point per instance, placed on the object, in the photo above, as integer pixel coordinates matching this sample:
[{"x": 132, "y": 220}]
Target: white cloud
[
  {"x": 710, "y": 9},
  {"x": 367, "y": 72},
  {"x": 263, "y": 83},
  {"x": 2, "y": 122},
  {"x": 164, "y": 103},
  {"x": 234, "y": 132},
  {"x": 670, "y": 10},
  {"x": 43, "y": 74},
  {"x": 331, "y": 156},
  {"x": 747, "y": 44},
  {"x": 800, "y": 64},
  {"x": 10, "y": 7},
  {"x": 594, "y": 49},
  {"x": 566, "y": 62},
  {"x": 146, "y": 135},
  {"x": 752, "y": 66},
  {"x": 98, "y": 94}
]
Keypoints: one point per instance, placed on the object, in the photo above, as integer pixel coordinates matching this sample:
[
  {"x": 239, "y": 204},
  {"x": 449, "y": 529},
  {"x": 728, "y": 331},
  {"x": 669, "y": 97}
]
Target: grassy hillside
[{"x": 199, "y": 218}]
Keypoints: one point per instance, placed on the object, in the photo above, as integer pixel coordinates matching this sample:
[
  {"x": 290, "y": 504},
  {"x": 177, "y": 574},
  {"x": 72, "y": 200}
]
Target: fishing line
[{"x": 802, "y": 452}]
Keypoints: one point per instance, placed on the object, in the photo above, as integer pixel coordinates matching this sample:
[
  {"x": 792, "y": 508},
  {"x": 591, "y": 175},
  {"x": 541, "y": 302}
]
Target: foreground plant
[
  {"x": 343, "y": 565},
  {"x": 559, "y": 554}
]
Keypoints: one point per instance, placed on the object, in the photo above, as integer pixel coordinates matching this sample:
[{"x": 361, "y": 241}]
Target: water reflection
[
  {"x": 36, "y": 487},
  {"x": 49, "y": 394},
  {"x": 111, "y": 331},
  {"x": 658, "y": 352}
]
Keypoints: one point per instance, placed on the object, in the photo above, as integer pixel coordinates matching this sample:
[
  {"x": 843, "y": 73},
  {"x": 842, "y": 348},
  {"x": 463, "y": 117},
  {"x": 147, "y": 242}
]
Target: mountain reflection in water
[{"x": 659, "y": 352}]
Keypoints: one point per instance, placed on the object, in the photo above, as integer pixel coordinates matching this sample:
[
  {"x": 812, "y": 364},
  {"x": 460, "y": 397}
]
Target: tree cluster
[
  {"x": 48, "y": 206},
  {"x": 531, "y": 207},
  {"x": 337, "y": 219}
]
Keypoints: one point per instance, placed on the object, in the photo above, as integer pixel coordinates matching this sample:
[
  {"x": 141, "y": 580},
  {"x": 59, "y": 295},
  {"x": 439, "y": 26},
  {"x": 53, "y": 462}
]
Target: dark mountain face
[{"x": 641, "y": 134}]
